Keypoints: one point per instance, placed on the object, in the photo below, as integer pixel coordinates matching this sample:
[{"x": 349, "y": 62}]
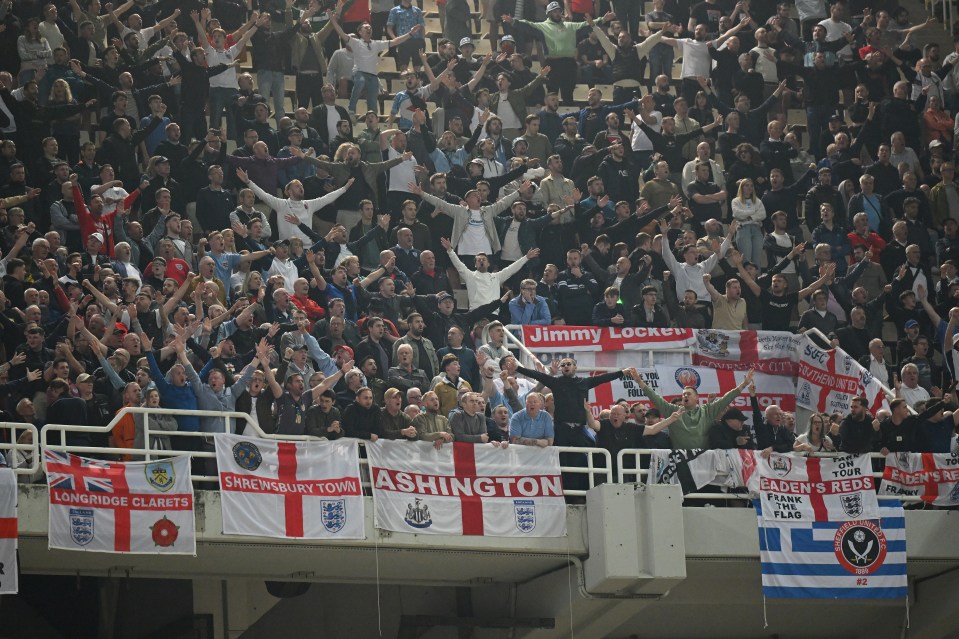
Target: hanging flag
[
  {"x": 467, "y": 489},
  {"x": 696, "y": 468},
  {"x": 597, "y": 338},
  {"x": 770, "y": 352},
  {"x": 860, "y": 559},
  {"x": 134, "y": 507},
  {"x": 933, "y": 477},
  {"x": 294, "y": 490},
  {"x": 797, "y": 488},
  {"x": 8, "y": 532},
  {"x": 828, "y": 380}
]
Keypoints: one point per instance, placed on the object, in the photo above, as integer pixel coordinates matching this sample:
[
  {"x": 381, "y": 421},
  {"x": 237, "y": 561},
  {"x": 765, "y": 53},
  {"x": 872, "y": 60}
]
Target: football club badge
[
  {"x": 160, "y": 475},
  {"x": 525, "y": 512},
  {"x": 81, "y": 526},
  {"x": 247, "y": 455},
  {"x": 333, "y": 514}
]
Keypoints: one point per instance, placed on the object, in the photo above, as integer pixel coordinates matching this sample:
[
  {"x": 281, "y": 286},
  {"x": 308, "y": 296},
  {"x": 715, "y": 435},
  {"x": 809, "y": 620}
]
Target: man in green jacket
[
  {"x": 560, "y": 39},
  {"x": 692, "y": 428}
]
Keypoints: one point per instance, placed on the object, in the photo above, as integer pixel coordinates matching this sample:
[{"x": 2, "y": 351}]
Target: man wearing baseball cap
[{"x": 561, "y": 41}]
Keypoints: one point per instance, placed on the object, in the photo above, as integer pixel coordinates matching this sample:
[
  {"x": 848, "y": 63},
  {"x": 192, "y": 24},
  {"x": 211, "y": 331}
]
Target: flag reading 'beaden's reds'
[
  {"x": 294, "y": 490},
  {"x": 8, "y": 532},
  {"x": 135, "y": 507},
  {"x": 795, "y": 488},
  {"x": 467, "y": 489},
  {"x": 933, "y": 477}
]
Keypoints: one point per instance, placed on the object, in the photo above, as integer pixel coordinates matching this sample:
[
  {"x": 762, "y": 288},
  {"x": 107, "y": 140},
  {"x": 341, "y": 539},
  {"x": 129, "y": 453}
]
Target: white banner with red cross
[
  {"x": 933, "y": 477},
  {"x": 669, "y": 381},
  {"x": 796, "y": 488},
  {"x": 8, "y": 532},
  {"x": 828, "y": 380},
  {"x": 596, "y": 338},
  {"x": 770, "y": 352},
  {"x": 132, "y": 507},
  {"x": 467, "y": 489},
  {"x": 292, "y": 490}
]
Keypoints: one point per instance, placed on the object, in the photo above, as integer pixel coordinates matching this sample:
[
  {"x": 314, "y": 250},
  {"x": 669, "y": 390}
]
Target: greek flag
[{"x": 863, "y": 559}]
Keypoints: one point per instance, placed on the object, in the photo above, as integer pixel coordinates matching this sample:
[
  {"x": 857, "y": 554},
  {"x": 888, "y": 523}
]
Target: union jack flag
[{"x": 70, "y": 472}]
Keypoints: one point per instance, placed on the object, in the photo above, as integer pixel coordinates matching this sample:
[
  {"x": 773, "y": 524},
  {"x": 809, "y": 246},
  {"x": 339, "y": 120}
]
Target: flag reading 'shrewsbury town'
[
  {"x": 132, "y": 507},
  {"x": 860, "y": 559},
  {"x": 467, "y": 489},
  {"x": 797, "y": 488},
  {"x": 933, "y": 477},
  {"x": 294, "y": 490},
  {"x": 8, "y": 532}
]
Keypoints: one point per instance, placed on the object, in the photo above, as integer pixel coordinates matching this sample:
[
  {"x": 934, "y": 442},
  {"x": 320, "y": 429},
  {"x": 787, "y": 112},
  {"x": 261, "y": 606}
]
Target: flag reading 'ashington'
[
  {"x": 132, "y": 507},
  {"x": 290, "y": 489},
  {"x": 467, "y": 489}
]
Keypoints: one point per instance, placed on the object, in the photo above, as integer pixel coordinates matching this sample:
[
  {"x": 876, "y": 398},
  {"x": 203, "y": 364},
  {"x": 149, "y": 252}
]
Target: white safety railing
[
  {"x": 23, "y": 458},
  {"x": 596, "y": 463},
  {"x": 630, "y": 462}
]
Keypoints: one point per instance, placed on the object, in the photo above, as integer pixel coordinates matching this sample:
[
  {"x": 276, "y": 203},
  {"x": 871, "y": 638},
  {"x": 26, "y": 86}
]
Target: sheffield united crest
[
  {"x": 333, "y": 514},
  {"x": 81, "y": 526},
  {"x": 525, "y": 513}
]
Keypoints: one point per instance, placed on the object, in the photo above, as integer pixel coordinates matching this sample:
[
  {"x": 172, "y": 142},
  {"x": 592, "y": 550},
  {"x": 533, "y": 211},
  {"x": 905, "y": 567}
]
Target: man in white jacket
[
  {"x": 483, "y": 287},
  {"x": 302, "y": 209}
]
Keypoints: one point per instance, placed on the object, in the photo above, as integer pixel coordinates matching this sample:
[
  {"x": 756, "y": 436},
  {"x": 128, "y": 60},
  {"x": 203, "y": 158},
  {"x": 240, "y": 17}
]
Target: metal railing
[
  {"x": 596, "y": 463},
  {"x": 635, "y": 457},
  {"x": 23, "y": 458}
]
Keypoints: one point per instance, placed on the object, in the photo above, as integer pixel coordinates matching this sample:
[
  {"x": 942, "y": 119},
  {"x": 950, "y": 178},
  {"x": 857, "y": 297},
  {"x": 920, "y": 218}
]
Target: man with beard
[
  {"x": 424, "y": 354},
  {"x": 697, "y": 62},
  {"x": 690, "y": 431}
]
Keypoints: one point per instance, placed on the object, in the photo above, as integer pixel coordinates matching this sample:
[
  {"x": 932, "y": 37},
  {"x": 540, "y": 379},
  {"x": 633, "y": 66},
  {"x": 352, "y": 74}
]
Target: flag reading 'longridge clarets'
[
  {"x": 135, "y": 507},
  {"x": 308, "y": 490},
  {"x": 8, "y": 532},
  {"x": 467, "y": 489},
  {"x": 933, "y": 477},
  {"x": 796, "y": 488}
]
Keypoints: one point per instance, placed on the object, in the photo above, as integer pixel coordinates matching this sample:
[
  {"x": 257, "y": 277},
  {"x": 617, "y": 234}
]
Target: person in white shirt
[
  {"x": 908, "y": 388},
  {"x": 483, "y": 287},
  {"x": 223, "y": 86},
  {"x": 145, "y": 34},
  {"x": 688, "y": 275},
  {"x": 393, "y": 145},
  {"x": 703, "y": 154},
  {"x": 749, "y": 211},
  {"x": 836, "y": 28},
  {"x": 696, "y": 59},
  {"x": 365, "y": 52},
  {"x": 295, "y": 205},
  {"x": 49, "y": 28}
]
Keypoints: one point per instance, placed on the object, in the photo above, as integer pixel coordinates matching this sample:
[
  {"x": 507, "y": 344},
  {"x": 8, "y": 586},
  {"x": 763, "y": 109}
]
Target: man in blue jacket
[{"x": 528, "y": 307}]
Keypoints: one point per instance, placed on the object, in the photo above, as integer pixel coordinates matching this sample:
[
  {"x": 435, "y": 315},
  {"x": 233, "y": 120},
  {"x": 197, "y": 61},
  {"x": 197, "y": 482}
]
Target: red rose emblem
[{"x": 165, "y": 533}]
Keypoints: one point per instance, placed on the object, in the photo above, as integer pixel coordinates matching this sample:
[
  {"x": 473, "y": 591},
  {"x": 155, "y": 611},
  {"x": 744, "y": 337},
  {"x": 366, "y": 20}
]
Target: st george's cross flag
[
  {"x": 292, "y": 490},
  {"x": 933, "y": 477},
  {"x": 132, "y": 507},
  {"x": 797, "y": 488},
  {"x": 467, "y": 489},
  {"x": 8, "y": 532},
  {"x": 860, "y": 559}
]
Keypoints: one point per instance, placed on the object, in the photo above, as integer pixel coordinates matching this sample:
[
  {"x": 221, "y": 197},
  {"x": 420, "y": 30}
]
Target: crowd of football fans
[{"x": 173, "y": 236}]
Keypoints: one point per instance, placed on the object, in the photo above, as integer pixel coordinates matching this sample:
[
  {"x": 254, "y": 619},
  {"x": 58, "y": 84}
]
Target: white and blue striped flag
[{"x": 863, "y": 559}]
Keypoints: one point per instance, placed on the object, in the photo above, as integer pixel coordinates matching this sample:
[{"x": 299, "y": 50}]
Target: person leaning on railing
[{"x": 691, "y": 431}]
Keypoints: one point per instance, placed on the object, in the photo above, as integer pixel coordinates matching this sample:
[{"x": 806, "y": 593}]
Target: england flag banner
[
  {"x": 291, "y": 490},
  {"x": 598, "y": 338},
  {"x": 796, "y": 488},
  {"x": 696, "y": 468},
  {"x": 132, "y": 507},
  {"x": 933, "y": 477},
  {"x": 829, "y": 379},
  {"x": 860, "y": 559},
  {"x": 669, "y": 381},
  {"x": 770, "y": 352},
  {"x": 8, "y": 532},
  {"x": 467, "y": 489}
]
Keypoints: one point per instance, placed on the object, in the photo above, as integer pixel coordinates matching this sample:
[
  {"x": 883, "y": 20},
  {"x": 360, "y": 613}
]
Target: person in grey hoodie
[{"x": 469, "y": 425}]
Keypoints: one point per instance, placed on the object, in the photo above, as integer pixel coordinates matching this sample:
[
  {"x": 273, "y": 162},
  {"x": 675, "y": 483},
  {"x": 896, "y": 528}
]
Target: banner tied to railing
[
  {"x": 933, "y": 477},
  {"x": 467, "y": 489},
  {"x": 8, "y": 532},
  {"x": 131, "y": 507},
  {"x": 796, "y": 488},
  {"x": 293, "y": 490}
]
